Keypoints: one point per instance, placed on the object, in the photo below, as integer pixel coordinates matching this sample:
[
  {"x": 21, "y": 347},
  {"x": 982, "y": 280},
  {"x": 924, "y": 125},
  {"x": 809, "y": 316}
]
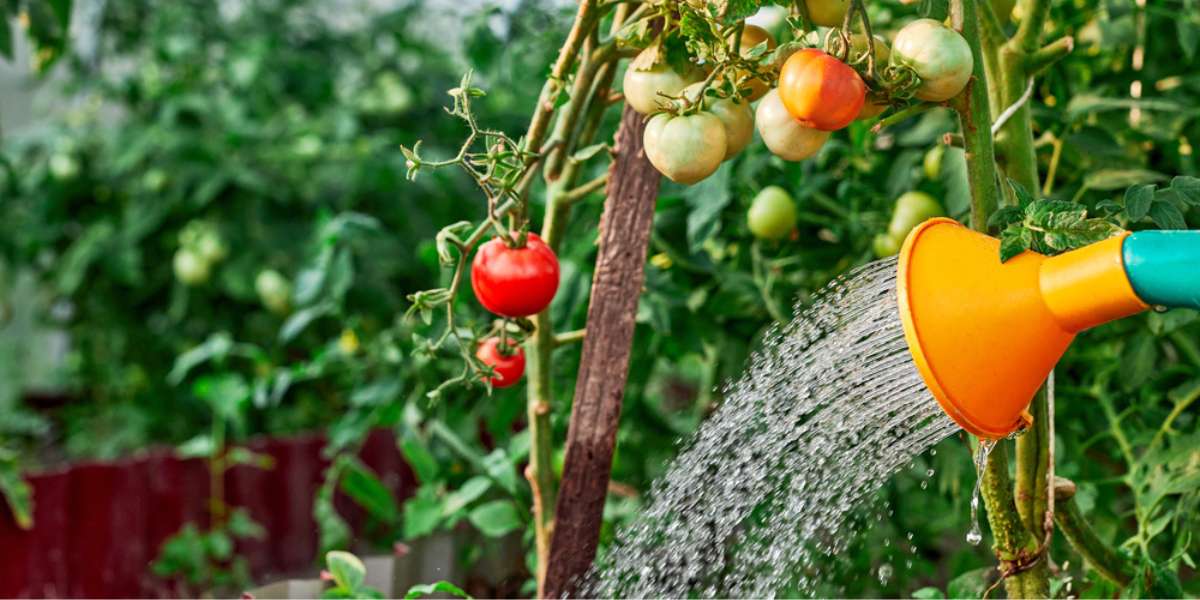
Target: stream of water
[{"x": 829, "y": 408}]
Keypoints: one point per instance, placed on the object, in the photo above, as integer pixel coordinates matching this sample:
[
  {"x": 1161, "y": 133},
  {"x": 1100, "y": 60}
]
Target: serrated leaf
[
  {"x": 1024, "y": 198},
  {"x": 1138, "y": 199},
  {"x": 1166, "y": 215},
  {"x": 1014, "y": 241},
  {"x": 1188, "y": 188}
]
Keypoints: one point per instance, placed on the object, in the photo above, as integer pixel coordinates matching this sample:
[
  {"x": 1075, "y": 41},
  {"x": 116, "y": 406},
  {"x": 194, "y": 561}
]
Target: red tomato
[
  {"x": 515, "y": 282},
  {"x": 508, "y": 368},
  {"x": 821, "y": 91}
]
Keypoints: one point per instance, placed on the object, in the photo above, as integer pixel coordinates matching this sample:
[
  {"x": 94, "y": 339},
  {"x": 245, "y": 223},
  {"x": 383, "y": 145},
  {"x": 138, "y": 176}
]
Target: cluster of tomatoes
[
  {"x": 514, "y": 280},
  {"x": 817, "y": 93}
]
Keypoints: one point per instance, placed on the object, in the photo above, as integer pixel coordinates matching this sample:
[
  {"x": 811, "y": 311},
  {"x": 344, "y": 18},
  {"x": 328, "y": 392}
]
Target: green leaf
[
  {"x": 301, "y": 319},
  {"x": 928, "y": 593},
  {"x": 1138, "y": 199},
  {"x": 347, "y": 570},
  {"x": 438, "y": 587},
  {"x": 1115, "y": 179},
  {"x": 17, "y": 493},
  {"x": 332, "y": 530},
  {"x": 500, "y": 468},
  {"x": 470, "y": 491},
  {"x": 1166, "y": 215},
  {"x": 422, "y": 513},
  {"x": 495, "y": 518},
  {"x": 1013, "y": 241},
  {"x": 361, "y": 484},
  {"x": 226, "y": 394},
  {"x": 1187, "y": 188},
  {"x": 971, "y": 584},
  {"x": 86, "y": 250},
  {"x": 1137, "y": 361},
  {"x": 241, "y": 525},
  {"x": 419, "y": 458},
  {"x": 705, "y": 202},
  {"x": 216, "y": 347}
]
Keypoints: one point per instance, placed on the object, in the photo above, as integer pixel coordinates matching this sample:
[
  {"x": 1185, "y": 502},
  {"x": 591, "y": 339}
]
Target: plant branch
[
  {"x": 1047, "y": 55},
  {"x": 1107, "y": 561}
]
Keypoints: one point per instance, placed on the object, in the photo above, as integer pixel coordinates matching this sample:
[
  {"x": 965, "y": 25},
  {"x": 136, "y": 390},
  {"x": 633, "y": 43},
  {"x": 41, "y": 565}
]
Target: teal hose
[{"x": 1164, "y": 267}]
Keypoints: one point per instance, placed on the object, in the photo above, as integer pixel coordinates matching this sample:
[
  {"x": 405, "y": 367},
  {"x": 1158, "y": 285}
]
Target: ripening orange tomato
[{"x": 821, "y": 91}]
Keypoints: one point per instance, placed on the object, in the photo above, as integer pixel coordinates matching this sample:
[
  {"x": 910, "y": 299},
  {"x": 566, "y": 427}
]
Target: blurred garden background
[{"x": 207, "y": 239}]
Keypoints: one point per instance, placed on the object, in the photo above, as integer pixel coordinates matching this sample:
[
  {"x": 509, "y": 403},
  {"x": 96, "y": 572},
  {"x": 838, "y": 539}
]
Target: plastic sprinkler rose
[{"x": 985, "y": 335}]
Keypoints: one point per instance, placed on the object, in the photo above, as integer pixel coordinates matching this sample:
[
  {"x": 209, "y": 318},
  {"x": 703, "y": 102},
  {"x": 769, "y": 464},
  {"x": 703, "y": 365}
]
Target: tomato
[
  {"x": 735, "y": 115},
  {"x": 912, "y": 209},
  {"x": 274, "y": 291},
  {"x": 858, "y": 46},
  {"x": 508, "y": 367},
  {"x": 515, "y": 282},
  {"x": 933, "y": 162},
  {"x": 772, "y": 215},
  {"x": 886, "y": 244},
  {"x": 939, "y": 55},
  {"x": 753, "y": 35},
  {"x": 686, "y": 148},
  {"x": 785, "y": 136},
  {"x": 827, "y": 13},
  {"x": 821, "y": 91},
  {"x": 645, "y": 89},
  {"x": 190, "y": 267}
]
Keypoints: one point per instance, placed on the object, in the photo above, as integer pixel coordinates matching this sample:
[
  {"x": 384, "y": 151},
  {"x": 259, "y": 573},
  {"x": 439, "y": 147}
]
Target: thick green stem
[
  {"x": 975, "y": 118},
  {"x": 1108, "y": 562},
  {"x": 1011, "y": 541}
]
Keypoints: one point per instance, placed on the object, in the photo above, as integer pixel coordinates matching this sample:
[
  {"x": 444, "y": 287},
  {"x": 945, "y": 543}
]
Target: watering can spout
[{"x": 985, "y": 335}]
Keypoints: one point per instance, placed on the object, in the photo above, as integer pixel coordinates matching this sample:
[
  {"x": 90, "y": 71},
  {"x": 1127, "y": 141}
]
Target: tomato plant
[{"x": 515, "y": 281}]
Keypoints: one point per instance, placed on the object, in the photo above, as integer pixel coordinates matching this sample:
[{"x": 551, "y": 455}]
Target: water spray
[{"x": 1025, "y": 311}]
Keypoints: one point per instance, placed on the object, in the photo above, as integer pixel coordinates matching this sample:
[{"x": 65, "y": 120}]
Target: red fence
[{"x": 99, "y": 525}]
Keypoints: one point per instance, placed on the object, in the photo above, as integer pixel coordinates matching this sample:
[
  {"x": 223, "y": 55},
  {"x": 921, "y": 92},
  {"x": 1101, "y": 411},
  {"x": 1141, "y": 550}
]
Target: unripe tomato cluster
[
  {"x": 200, "y": 249},
  {"x": 691, "y": 131},
  {"x": 513, "y": 282}
]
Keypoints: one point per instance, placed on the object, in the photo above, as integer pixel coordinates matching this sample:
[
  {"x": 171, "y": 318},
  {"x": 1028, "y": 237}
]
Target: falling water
[
  {"x": 974, "y": 536},
  {"x": 829, "y": 408}
]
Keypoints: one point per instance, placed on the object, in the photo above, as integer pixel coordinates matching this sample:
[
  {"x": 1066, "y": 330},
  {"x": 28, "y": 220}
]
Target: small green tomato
[
  {"x": 772, "y": 215},
  {"x": 190, "y": 268},
  {"x": 274, "y": 291}
]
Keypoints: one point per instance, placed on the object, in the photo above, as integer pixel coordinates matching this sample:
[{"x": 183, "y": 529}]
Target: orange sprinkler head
[{"x": 985, "y": 335}]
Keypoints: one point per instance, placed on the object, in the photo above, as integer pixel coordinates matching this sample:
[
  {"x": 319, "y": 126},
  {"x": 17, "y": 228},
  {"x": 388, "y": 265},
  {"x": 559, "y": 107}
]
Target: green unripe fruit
[
  {"x": 912, "y": 209},
  {"x": 191, "y": 268},
  {"x": 274, "y": 291},
  {"x": 772, "y": 215},
  {"x": 886, "y": 245},
  {"x": 933, "y": 162}
]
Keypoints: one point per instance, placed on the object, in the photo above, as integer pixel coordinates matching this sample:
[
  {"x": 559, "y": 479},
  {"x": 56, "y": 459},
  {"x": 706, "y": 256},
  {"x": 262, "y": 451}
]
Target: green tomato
[
  {"x": 938, "y": 54},
  {"x": 772, "y": 215},
  {"x": 735, "y": 115},
  {"x": 191, "y": 268},
  {"x": 686, "y": 148},
  {"x": 912, "y": 209},
  {"x": 827, "y": 13},
  {"x": 645, "y": 88},
  {"x": 933, "y": 162},
  {"x": 886, "y": 245},
  {"x": 274, "y": 291}
]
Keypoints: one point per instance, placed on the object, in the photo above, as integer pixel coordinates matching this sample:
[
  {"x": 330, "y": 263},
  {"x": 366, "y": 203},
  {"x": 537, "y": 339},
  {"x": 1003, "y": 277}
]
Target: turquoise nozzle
[{"x": 1164, "y": 267}]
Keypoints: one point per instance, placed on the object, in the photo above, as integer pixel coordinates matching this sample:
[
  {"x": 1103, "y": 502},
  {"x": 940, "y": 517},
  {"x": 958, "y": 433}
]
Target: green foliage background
[{"x": 279, "y": 127}]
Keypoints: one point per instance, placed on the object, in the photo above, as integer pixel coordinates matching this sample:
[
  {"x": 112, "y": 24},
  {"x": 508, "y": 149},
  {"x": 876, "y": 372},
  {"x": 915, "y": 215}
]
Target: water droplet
[
  {"x": 974, "y": 536},
  {"x": 884, "y": 573}
]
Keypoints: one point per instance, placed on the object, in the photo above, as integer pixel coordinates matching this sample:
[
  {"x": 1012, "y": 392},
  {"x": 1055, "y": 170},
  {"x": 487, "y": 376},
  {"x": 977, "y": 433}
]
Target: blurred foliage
[{"x": 266, "y": 137}]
